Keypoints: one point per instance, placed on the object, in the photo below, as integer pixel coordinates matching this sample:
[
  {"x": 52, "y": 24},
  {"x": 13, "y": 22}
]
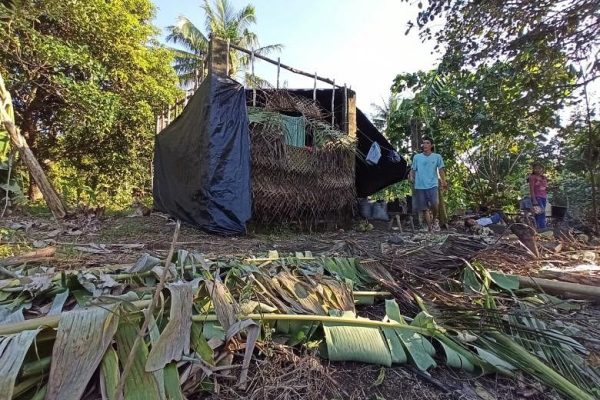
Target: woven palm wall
[{"x": 304, "y": 186}]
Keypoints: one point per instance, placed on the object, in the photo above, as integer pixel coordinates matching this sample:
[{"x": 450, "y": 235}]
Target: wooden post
[
  {"x": 278, "y": 70},
  {"x": 218, "y": 56},
  {"x": 345, "y": 110},
  {"x": 228, "y": 49},
  {"x": 315, "y": 90},
  {"x": 333, "y": 105},
  {"x": 51, "y": 197},
  {"x": 253, "y": 80},
  {"x": 351, "y": 114}
]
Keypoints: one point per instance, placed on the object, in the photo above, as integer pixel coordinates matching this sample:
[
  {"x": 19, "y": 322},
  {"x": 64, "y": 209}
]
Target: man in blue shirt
[{"x": 427, "y": 173}]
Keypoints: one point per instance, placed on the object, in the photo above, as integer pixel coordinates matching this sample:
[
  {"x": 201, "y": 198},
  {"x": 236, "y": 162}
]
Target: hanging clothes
[
  {"x": 294, "y": 129},
  {"x": 394, "y": 157},
  {"x": 374, "y": 154}
]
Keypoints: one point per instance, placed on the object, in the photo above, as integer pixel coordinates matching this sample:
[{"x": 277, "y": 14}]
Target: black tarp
[
  {"x": 202, "y": 160},
  {"x": 369, "y": 178},
  {"x": 372, "y": 178}
]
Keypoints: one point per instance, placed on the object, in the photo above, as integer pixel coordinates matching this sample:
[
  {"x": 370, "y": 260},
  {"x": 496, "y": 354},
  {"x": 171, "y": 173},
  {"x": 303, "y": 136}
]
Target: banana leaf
[
  {"x": 109, "y": 375},
  {"x": 355, "y": 343},
  {"x": 81, "y": 341},
  {"x": 12, "y": 353},
  {"x": 174, "y": 341},
  {"x": 139, "y": 384}
]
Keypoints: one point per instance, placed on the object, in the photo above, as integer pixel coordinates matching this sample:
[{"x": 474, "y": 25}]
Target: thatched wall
[{"x": 296, "y": 185}]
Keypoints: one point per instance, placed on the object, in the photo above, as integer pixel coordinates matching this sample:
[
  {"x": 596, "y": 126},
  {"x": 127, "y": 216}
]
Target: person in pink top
[{"x": 538, "y": 184}]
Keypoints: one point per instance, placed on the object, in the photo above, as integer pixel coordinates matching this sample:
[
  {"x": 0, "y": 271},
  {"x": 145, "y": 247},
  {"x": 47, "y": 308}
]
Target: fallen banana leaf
[
  {"x": 12, "y": 353},
  {"x": 346, "y": 342},
  {"x": 199, "y": 343},
  {"x": 253, "y": 331},
  {"x": 81, "y": 341},
  {"x": 109, "y": 375},
  {"x": 224, "y": 305},
  {"x": 174, "y": 341},
  {"x": 58, "y": 303},
  {"x": 172, "y": 385},
  {"x": 139, "y": 384}
]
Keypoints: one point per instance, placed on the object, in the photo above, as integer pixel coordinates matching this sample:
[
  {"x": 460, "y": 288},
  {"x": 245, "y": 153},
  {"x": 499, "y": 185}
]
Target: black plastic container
[{"x": 558, "y": 212}]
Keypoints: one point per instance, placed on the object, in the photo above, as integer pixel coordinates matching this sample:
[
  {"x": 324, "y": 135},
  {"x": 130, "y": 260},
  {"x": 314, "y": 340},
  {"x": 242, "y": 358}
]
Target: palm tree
[{"x": 223, "y": 21}]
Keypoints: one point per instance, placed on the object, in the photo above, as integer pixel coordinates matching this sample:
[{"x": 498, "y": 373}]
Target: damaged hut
[
  {"x": 272, "y": 156},
  {"x": 302, "y": 167}
]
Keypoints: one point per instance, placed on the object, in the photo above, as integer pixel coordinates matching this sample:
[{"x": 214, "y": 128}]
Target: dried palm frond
[
  {"x": 300, "y": 184},
  {"x": 295, "y": 299}
]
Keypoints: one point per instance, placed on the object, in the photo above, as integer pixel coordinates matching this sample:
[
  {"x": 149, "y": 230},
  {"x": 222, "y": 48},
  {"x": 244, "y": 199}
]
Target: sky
[{"x": 357, "y": 42}]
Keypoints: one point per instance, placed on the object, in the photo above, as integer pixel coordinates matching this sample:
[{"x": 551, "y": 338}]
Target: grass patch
[
  {"x": 37, "y": 209},
  {"x": 132, "y": 228},
  {"x": 12, "y": 242}
]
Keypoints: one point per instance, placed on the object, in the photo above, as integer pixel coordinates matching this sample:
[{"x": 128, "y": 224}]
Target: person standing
[
  {"x": 427, "y": 173},
  {"x": 538, "y": 185}
]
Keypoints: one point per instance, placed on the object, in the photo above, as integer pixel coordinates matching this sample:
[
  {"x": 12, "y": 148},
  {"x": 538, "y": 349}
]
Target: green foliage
[
  {"x": 525, "y": 33},
  {"x": 10, "y": 184},
  {"x": 579, "y": 167},
  {"x": 87, "y": 79},
  {"x": 396, "y": 191},
  {"x": 223, "y": 21},
  {"x": 487, "y": 123}
]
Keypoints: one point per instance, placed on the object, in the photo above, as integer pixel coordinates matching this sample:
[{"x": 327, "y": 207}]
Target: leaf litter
[{"x": 237, "y": 324}]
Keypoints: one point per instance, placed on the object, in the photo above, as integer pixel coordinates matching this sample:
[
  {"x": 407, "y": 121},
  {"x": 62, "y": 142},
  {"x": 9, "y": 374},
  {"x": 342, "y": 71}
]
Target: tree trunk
[
  {"x": 28, "y": 131},
  {"x": 594, "y": 199},
  {"x": 442, "y": 214},
  {"x": 33, "y": 191},
  {"x": 590, "y": 159},
  {"x": 54, "y": 202}
]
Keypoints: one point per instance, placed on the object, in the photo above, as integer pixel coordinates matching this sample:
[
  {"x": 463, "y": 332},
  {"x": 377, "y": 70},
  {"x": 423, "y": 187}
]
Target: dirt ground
[{"x": 88, "y": 241}]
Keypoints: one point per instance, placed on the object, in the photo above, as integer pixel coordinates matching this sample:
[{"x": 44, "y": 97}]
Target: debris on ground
[{"x": 332, "y": 315}]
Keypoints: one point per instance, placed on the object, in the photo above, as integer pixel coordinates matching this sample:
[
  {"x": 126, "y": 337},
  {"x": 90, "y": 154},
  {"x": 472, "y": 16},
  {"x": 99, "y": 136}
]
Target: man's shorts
[{"x": 424, "y": 199}]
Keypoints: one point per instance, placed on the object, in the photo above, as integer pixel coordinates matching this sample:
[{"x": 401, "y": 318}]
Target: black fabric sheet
[
  {"x": 369, "y": 178},
  {"x": 202, "y": 160},
  {"x": 372, "y": 178}
]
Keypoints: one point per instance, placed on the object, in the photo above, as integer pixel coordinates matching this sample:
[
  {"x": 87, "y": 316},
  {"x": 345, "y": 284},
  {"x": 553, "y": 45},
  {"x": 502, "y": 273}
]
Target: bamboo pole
[
  {"x": 590, "y": 292},
  {"x": 315, "y": 90},
  {"x": 51, "y": 197},
  {"x": 345, "y": 117},
  {"x": 333, "y": 105},
  {"x": 253, "y": 80},
  {"x": 284, "y": 66},
  {"x": 368, "y": 293},
  {"x": 52, "y": 321},
  {"x": 278, "y": 70}
]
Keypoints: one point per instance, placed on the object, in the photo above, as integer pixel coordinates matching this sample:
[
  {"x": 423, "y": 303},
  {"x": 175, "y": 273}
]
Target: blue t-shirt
[{"x": 426, "y": 170}]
